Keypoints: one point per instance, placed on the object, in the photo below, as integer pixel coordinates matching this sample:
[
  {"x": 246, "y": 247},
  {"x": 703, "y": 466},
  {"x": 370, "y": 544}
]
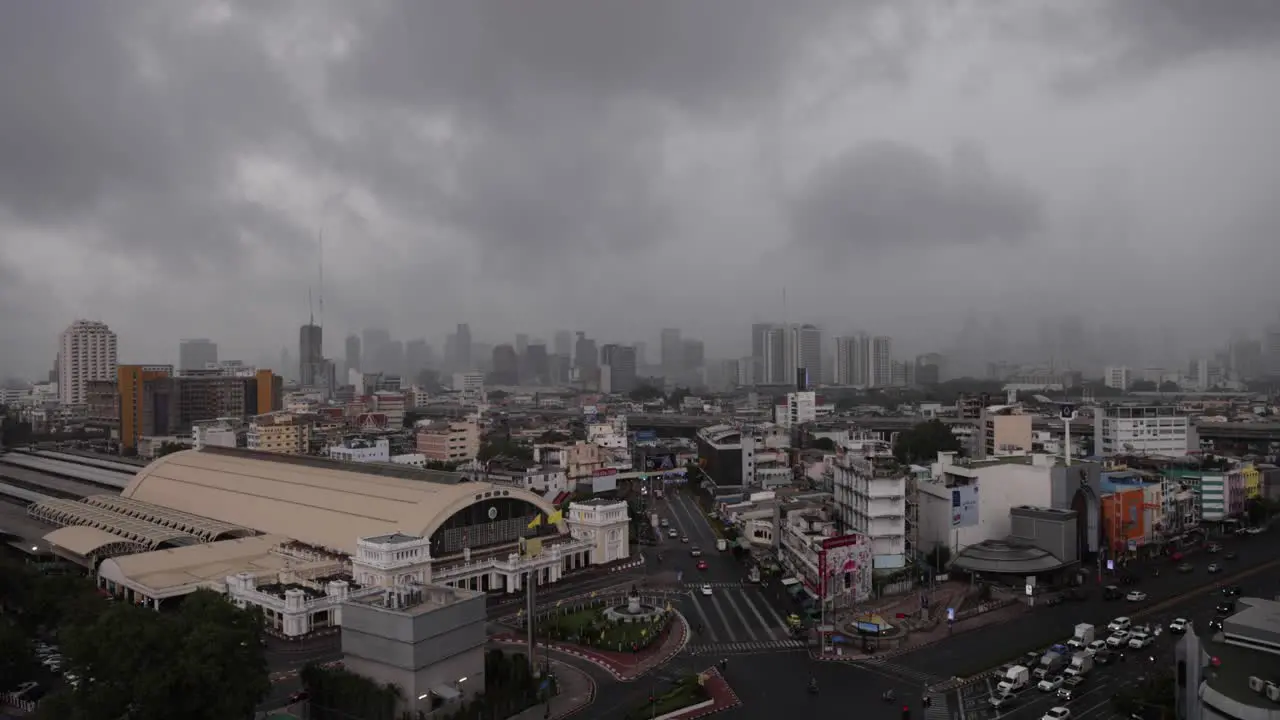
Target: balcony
[{"x": 502, "y": 562}]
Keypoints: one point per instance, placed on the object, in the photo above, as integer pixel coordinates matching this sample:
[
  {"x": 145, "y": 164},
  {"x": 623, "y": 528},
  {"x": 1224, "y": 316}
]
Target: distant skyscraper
[
  {"x": 881, "y": 371},
  {"x": 779, "y": 357},
  {"x": 642, "y": 353},
  {"x": 807, "y": 346},
  {"x": 694, "y": 355},
  {"x": 196, "y": 353},
  {"x": 463, "y": 348},
  {"x": 585, "y": 356},
  {"x": 852, "y": 360},
  {"x": 374, "y": 340},
  {"x": 535, "y": 365},
  {"x": 506, "y": 366},
  {"x": 672, "y": 350},
  {"x": 1273, "y": 349},
  {"x": 621, "y": 361},
  {"x": 86, "y": 352},
  {"x": 353, "y": 352},
  {"x": 311, "y": 370},
  {"x": 522, "y": 343},
  {"x": 564, "y": 343},
  {"x": 417, "y": 357},
  {"x": 759, "y": 333}
]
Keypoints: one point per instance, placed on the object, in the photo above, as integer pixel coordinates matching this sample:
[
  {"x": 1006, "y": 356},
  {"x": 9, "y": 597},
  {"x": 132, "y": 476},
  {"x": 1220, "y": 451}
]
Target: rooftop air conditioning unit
[
  {"x": 1273, "y": 692},
  {"x": 1256, "y": 684}
]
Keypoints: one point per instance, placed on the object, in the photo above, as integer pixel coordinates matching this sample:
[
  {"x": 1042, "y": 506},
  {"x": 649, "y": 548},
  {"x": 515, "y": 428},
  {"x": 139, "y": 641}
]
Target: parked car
[
  {"x": 1120, "y": 623},
  {"x": 1057, "y": 713},
  {"x": 1118, "y": 639},
  {"x": 1137, "y": 641}
]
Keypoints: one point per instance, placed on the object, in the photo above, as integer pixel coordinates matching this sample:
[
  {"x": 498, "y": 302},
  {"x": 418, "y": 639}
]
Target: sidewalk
[
  {"x": 624, "y": 666},
  {"x": 577, "y": 692}
]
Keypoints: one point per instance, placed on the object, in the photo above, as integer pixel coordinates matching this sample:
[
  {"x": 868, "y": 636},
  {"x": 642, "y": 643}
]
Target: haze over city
[{"x": 617, "y": 167}]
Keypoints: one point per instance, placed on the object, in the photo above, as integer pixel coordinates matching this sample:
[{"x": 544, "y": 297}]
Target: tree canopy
[
  {"x": 645, "y": 393},
  {"x": 501, "y": 445},
  {"x": 204, "y": 660},
  {"x": 1143, "y": 386},
  {"x": 923, "y": 442}
]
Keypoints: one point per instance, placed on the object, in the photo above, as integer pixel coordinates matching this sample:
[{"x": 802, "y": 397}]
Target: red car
[{"x": 702, "y": 564}]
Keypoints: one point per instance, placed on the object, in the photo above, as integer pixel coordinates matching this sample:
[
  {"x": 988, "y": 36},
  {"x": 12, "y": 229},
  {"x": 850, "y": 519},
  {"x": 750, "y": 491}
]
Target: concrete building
[
  {"x": 799, "y": 408},
  {"x": 603, "y": 524},
  {"x": 1117, "y": 377},
  {"x": 427, "y": 640},
  {"x": 807, "y": 345},
  {"x": 449, "y": 441},
  {"x": 470, "y": 385},
  {"x": 833, "y": 569},
  {"x": 1142, "y": 430},
  {"x": 1003, "y": 430},
  {"x": 282, "y": 432},
  {"x": 1233, "y": 674},
  {"x": 621, "y": 363},
  {"x": 871, "y": 500},
  {"x": 222, "y": 432},
  {"x": 361, "y": 450},
  {"x": 993, "y": 486},
  {"x": 880, "y": 371},
  {"x": 86, "y": 352}
]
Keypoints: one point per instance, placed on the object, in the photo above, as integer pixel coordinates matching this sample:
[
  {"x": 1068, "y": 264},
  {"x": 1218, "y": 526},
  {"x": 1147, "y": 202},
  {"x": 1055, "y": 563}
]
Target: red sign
[{"x": 606, "y": 472}]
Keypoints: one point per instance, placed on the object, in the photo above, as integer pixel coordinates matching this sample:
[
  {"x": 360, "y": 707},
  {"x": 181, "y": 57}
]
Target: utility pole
[{"x": 531, "y": 583}]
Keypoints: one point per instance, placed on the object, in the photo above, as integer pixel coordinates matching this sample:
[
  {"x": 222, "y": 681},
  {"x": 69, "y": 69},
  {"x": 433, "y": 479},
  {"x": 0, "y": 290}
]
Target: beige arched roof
[
  {"x": 84, "y": 541},
  {"x": 319, "y": 503}
]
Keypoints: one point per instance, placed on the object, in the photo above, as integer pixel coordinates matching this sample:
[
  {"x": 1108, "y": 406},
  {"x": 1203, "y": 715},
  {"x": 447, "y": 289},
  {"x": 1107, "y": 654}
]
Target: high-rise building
[
  {"x": 563, "y": 343},
  {"x": 86, "y": 352},
  {"x": 807, "y": 346},
  {"x": 353, "y": 353},
  {"x": 1272, "y": 363},
  {"x": 642, "y": 353},
  {"x": 694, "y": 353},
  {"x": 930, "y": 368},
  {"x": 311, "y": 355},
  {"x": 154, "y": 402},
  {"x": 417, "y": 357},
  {"x": 197, "y": 354},
  {"x": 881, "y": 370},
  {"x": 522, "y": 343},
  {"x": 779, "y": 357},
  {"x": 851, "y": 362},
  {"x": 463, "y": 346},
  {"x": 759, "y": 333},
  {"x": 374, "y": 339},
  {"x": 671, "y": 349},
  {"x": 621, "y": 361},
  {"x": 506, "y": 366},
  {"x": 535, "y": 365},
  {"x": 585, "y": 355}
]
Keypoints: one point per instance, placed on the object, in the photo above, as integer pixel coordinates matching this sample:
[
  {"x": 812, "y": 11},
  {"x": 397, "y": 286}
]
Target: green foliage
[
  {"x": 823, "y": 443},
  {"x": 645, "y": 393},
  {"x": 503, "y": 446},
  {"x": 338, "y": 694},
  {"x": 686, "y": 691},
  {"x": 509, "y": 688},
  {"x": 922, "y": 443},
  {"x": 17, "y": 660},
  {"x": 170, "y": 447},
  {"x": 202, "y": 661},
  {"x": 590, "y": 627},
  {"x": 1143, "y": 386},
  {"x": 1169, "y": 386}
]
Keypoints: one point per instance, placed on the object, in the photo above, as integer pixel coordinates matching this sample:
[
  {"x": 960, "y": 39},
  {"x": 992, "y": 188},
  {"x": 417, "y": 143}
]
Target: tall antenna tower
[{"x": 320, "y": 242}]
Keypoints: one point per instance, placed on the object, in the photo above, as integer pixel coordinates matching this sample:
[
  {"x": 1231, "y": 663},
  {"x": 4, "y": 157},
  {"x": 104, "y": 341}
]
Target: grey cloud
[
  {"x": 1143, "y": 37},
  {"x": 889, "y": 197}
]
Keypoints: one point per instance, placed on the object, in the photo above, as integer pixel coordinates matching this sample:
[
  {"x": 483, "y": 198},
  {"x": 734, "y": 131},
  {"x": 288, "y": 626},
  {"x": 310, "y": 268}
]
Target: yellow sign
[
  {"x": 537, "y": 520},
  {"x": 555, "y": 518}
]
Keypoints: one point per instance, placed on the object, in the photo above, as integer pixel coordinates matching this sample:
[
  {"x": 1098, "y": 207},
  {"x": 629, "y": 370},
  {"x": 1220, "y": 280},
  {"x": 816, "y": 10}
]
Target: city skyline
[{"x": 945, "y": 163}]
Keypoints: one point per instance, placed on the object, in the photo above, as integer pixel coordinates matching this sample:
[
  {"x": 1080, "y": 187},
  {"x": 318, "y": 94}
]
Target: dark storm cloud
[
  {"x": 1143, "y": 37},
  {"x": 86, "y": 136},
  {"x": 890, "y": 197}
]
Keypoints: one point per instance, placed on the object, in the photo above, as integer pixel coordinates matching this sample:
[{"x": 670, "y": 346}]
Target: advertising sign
[
  {"x": 660, "y": 462},
  {"x": 844, "y": 567},
  {"x": 964, "y": 506}
]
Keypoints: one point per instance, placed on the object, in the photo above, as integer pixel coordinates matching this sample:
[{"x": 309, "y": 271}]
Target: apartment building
[
  {"x": 86, "y": 352},
  {"x": 871, "y": 500},
  {"x": 450, "y": 441},
  {"x": 1003, "y": 430},
  {"x": 284, "y": 433},
  {"x": 153, "y": 402},
  {"x": 1142, "y": 430}
]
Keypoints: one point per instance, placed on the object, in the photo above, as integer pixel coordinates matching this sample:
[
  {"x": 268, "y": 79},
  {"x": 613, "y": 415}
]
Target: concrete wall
[
  {"x": 1054, "y": 533},
  {"x": 413, "y": 641}
]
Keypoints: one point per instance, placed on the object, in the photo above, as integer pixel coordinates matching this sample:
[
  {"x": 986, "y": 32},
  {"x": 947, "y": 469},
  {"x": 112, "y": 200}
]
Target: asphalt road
[{"x": 966, "y": 652}]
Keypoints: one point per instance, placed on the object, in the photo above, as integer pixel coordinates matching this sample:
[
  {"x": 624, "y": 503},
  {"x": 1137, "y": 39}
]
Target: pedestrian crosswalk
[
  {"x": 698, "y": 585},
  {"x": 743, "y": 647},
  {"x": 733, "y": 613},
  {"x": 910, "y": 674}
]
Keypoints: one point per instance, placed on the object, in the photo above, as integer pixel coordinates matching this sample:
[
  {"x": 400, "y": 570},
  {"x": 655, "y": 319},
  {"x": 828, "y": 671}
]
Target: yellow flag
[
  {"x": 555, "y": 517},
  {"x": 537, "y": 520},
  {"x": 558, "y": 602},
  {"x": 593, "y": 593},
  {"x": 644, "y": 632}
]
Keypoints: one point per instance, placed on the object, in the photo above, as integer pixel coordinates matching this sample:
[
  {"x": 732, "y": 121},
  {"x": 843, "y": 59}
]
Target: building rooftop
[
  {"x": 1239, "y": 654},
  {"x": 415, "y": 599},
  {"x": 1006, "y": 557},
  {"x": 205, "y": 564},
  {"x": 389, "y": 538}
]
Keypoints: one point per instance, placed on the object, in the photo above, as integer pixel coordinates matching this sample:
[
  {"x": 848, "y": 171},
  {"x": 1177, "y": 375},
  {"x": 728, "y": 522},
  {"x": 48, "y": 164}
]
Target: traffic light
[{"x": 906, "y": 712}]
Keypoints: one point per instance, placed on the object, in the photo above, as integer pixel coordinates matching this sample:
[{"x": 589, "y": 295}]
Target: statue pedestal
[{"x": 633, "y": 603}]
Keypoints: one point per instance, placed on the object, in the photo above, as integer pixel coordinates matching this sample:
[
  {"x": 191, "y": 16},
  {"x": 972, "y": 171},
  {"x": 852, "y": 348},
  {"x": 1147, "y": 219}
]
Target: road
[{"x": 985, "y": 647}]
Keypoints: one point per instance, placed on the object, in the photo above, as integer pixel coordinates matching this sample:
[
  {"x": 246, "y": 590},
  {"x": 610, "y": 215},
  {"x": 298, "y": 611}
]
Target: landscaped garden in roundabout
[{"x": 608, "y": 625}]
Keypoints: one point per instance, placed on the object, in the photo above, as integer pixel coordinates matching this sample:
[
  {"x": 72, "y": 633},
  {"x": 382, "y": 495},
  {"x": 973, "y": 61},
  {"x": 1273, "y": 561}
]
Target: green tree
[
  {"x": 204, "y": 661},
  {"x": 498, "y": 395},
  {"x": 1143, "y": 386},
  {"x": 17, "y": 661},
  {"x": 924, "y": 441},
  {"x": 1169, "y": 386},
  {"x": 677, "y": 396},
  {"x": 339, "y": 694},
  {"x": 501, "y": 446},
  {"x": 823, "y": 443}
]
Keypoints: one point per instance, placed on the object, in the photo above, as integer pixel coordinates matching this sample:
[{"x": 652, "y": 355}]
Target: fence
[{"x": 650, "y": 598}]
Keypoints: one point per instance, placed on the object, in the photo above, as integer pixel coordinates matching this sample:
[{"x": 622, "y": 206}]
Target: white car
[
  {"x": 1050, "y": 684},
  {"x": 1095, "y": 646},
  {"x": 1135, "y": 596},
  {"x": 1118, "y": 639},
  {"x": 706, "y": 589},
  {"x": 1120, "y": 623},
  {"x": 1058, "y": 713},
  {"x": 1179, "y": 626},
  {"x": 1137, "y": 641}
]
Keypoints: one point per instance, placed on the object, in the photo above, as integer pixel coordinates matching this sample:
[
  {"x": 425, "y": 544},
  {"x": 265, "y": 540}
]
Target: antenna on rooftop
[
  {"x": 320, "y": 242},
  {"x": 311, "y": 311}
]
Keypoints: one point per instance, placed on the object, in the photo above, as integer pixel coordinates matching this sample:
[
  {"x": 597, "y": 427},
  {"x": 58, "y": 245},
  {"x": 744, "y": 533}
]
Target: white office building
[
  {"x": 880, "y": 372},
  {"x": 800, "y": 408},
  {"x": 1142, "y": 430},
  {"x": 86, "y": 352},
  {"x": 1117, "y": 377},
  {"x": 870, "y": 493},
  {"x": 361, "y": 451}
]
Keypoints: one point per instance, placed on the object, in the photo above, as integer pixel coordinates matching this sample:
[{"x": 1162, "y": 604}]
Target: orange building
[{"x": 1124, "y": 519}]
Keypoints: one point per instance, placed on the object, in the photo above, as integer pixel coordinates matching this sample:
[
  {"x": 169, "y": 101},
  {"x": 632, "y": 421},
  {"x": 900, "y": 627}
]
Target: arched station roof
[
  {"x": 143, "y": 532},
  {"x": 88, "y": 542},
  {"x": 323, "y": 503}
]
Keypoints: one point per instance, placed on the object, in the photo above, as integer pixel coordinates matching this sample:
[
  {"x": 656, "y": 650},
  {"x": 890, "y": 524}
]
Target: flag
[
  {"x": 537, "y": 520},
  {"x": 644, "y": 632},
  {"x": 559, "y": 602},
  {"x": 555, "y": 517}
]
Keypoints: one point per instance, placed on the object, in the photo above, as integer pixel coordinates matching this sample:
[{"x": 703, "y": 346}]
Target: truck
[
  {"x": 1081, "y": 664},
  {"x": 1050, "y": 664},
  {"x": 1015, "y": 679},
  {"x": 1083, "y": 635},
  {"x": 722, "y": 544}
]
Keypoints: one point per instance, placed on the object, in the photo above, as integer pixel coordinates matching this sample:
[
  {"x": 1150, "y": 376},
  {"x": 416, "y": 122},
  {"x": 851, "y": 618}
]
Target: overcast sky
[{"x": 619, "y": 166}]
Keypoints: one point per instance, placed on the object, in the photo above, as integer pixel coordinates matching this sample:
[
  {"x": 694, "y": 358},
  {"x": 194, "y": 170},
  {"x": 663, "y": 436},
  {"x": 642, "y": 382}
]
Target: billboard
[
  {"x": 964, "y": 506},
  {"x": 845, "y": 566},
  {"x": 660, "y": 462}
]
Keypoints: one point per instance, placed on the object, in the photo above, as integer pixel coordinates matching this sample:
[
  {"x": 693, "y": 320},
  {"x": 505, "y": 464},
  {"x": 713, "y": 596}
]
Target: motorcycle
[
  {"x": 888, "y": 696},
  {"x": 813, "y": 686}
]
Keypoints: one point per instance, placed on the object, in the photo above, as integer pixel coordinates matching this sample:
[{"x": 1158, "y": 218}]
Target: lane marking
[
  {"x": 746, "y": 624},
  {"x": 706, "y": 621},
  {"x": 716, "y": 604},
  {"x": 770, "y": 629}
]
